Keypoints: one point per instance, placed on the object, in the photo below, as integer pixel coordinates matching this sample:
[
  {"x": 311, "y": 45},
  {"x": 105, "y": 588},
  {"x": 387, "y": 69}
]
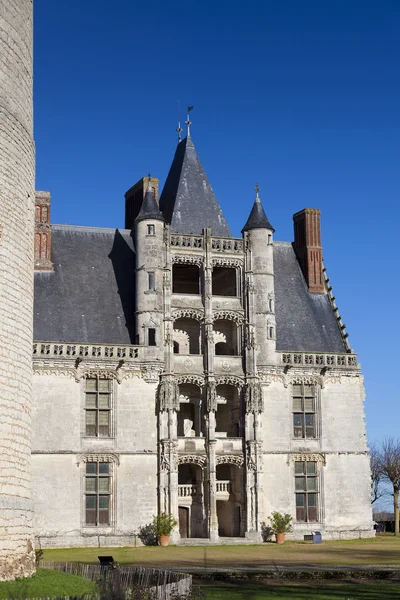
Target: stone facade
[
  {"x": 204, "y": 409},
  {"x": 16, "y": 287}
]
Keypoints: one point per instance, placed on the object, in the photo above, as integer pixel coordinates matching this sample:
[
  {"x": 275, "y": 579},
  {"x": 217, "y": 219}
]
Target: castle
[
  {"x": 175, "y": 368},
  {"x": 180, "y": 369}
]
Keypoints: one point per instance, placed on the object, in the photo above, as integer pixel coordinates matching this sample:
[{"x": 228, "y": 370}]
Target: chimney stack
[
  {"x": 308, "y": 249},
  {"x": 42, "y": 232},
  {"x": 134, "y": 198}
]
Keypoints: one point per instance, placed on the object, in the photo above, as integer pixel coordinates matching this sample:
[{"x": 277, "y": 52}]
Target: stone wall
[
  {"x": 340, "y": 450},
  {"x": 60, "y": 448},
  {"x": 16, "y": 286}
]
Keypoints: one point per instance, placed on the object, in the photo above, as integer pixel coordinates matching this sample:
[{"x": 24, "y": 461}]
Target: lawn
[
  {"x": 383, "y": 550},
  {"x": 46, "y": 583},
  {"x": 315, "y": 591}
]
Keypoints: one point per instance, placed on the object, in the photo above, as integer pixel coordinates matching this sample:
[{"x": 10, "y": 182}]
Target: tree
[
  {"x": 389, "y": 466},
  {"x": 376, "y": 473}
]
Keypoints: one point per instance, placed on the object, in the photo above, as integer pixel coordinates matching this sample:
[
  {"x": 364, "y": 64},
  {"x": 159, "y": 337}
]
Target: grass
[
  {"x": 309, "y": 591},
  {"x": 375, "y": 551},
  {"x": 46, "y": 583}
]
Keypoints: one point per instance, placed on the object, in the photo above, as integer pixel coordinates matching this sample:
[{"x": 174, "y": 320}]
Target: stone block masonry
[{"x": 17, "y": 162}]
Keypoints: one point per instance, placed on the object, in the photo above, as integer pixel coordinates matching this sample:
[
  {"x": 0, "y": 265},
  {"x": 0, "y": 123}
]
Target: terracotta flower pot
[
  {"x": 280, "y": 538},
  {"x": 164, "y": 540}
]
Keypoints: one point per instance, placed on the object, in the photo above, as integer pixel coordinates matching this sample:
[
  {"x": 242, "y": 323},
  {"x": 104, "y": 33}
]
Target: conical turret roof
[
  {"x": 257, "y": 218},
  {"x": 187, "y": 201},
  {"x": 149, "y": 208}
]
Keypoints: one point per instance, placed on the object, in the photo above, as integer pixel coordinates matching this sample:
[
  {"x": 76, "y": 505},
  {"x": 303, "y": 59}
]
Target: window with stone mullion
[
  {"x": 304, "y": 411},
  {"x": 97, "y": 494},
  {"x": 306, "y": 490},
  {"x": 98, "y": 407}
]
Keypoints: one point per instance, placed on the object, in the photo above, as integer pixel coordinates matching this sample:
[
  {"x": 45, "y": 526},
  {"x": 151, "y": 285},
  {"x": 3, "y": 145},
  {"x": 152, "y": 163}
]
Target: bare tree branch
[{"x": 388, "y": 461}]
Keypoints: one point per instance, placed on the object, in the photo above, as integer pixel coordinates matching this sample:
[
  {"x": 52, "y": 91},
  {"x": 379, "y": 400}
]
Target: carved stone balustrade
[
  {"x": 188, "y": 363},
  {"x": 228, "y": 364},
  {"x": 222, "y": 489},
  {"x": 187, "y": 490},
  {"x": 191, "y": 445},
  {"x": 306, "y": 359},
  {"x": 228, "y": 445},
  {"x": 82, "y": 351}
]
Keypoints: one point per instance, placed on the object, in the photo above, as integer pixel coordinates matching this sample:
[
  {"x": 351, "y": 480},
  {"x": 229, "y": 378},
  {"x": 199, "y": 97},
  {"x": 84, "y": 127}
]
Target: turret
[
  {"x": 149, "y": 244},
  {"x": 260, "y": 268}
]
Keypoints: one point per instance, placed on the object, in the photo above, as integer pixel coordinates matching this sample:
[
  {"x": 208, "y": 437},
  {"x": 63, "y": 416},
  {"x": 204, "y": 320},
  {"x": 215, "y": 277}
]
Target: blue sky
[{"x": 301, "y": 97}]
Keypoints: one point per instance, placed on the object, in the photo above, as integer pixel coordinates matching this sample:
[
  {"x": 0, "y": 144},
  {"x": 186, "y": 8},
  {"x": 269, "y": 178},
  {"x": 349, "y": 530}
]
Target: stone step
[{"x": 222, "y": 541}]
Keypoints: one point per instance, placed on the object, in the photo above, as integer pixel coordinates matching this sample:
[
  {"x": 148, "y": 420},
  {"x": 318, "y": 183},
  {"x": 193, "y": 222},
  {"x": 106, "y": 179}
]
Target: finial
[
  {"x": 188, "y": 122},
  {"x": 257, "y": 188},
  {"x": 149, "y": 183},
  {"x": 179, "y": 128}
]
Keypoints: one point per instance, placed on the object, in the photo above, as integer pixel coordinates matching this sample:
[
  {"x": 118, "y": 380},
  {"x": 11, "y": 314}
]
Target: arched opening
[
  {"x": 225, "y": 338},
  {"x": 190, "y": 409},
  {"x": 230, "y": 500},
  {"x": 176, "y": 347},
  {"x": 187, "y": 336},
  {"x": 224, "y": 281},
  {"x": 192, "y": 516},
  {"x": 227, "y": 415}
]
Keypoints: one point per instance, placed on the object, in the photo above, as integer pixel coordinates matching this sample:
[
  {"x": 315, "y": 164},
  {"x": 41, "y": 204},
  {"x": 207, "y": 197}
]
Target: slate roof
[
  {"x": 90, "y": 295},
  {"x": 304, "y": 321},
  {"x": 187, "y": 201},
  {"x": 149, "y": 208},
  {"x": 257, "y": 218}
]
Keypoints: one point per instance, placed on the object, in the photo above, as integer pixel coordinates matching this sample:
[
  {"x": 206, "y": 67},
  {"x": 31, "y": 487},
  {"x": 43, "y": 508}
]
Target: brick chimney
[
  {"x": 42, "y": 232},
  {"x": 134, "y": 198},
  {"x": 307, "y": 245}
]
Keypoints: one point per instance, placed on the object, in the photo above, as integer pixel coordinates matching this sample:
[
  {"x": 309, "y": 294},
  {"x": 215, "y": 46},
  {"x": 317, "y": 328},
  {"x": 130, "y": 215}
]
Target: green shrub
[
  {"x": 164, "y": 523},
  {"x": 280, "y": 522}
]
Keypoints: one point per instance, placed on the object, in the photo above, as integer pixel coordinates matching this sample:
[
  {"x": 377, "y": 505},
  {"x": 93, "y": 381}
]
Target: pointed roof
[
  {"x": 149, "y": 208},
  {"x": 187, "y": 201},
  {"x": 257, "y": 218}
]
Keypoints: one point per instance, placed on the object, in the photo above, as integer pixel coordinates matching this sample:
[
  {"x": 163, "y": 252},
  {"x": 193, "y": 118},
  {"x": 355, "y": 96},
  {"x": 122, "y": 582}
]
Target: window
[
  {"x": 152, "y": 336},
  {"x": 151, "y": 230},
  {"x": 185, "y": 279},
  {"x": 152, "y": 280},
  {"x": 98, "y": 407},
  {"x": 304, "y": 414},
  {"x": 224, "y": 281},
  {"x": 97, "y": 493},
  {"x": 306, "y": 487}
]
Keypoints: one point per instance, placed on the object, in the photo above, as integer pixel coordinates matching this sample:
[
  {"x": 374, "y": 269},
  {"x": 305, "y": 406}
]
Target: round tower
[
  {"x": 149, "y": 246},
  {"x": 17, "y": 557}
]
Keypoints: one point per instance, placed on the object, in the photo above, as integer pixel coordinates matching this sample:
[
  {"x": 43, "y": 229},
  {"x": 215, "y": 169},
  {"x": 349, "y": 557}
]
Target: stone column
[{"x": 17, "y": 197}]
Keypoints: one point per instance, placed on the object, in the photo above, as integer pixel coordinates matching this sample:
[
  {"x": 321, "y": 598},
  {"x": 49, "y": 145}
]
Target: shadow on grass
[{"x": 317, "y": 591}]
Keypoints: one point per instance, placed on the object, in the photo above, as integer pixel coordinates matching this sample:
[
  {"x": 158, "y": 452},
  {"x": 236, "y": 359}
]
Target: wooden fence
[{"x": 161, "y": 584}]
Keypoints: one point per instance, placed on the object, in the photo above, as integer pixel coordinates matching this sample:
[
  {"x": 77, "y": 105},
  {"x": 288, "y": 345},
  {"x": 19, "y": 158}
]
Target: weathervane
[
  {"x": 188, "y": 122},
  {"x": 179, "y": 128}
]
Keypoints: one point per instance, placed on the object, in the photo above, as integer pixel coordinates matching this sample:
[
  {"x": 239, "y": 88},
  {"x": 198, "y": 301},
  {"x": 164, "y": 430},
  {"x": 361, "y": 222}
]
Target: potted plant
[
  {"x": 281, "y": 524},
  {"x": 163, "y": 525}
]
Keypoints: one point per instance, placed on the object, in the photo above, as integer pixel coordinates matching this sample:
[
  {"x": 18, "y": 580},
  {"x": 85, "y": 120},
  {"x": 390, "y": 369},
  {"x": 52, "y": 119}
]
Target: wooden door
[{"x": 183, "y": 521}]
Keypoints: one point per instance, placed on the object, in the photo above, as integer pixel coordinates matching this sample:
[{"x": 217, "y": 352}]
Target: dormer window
[{"x": 151, "y": 229}]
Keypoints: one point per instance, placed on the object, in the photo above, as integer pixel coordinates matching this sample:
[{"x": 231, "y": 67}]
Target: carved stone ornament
[
  {"x": 229, "y": 315},
  {"x": 229, "y": 380},
  {"x": 88, "y": 373},
  {"x": 227, "y": 262},
  {"x": 190, "y": 313},
  {"x": 193, "y": 379},
  {"x": 211, "y": 396},
  {"x": 151, "y": 373},
  {"x": 40, "y": 369},
  {"x": 230, "y": 459},
  {"x": 168, "y": 457},
  {"x": 306, "y": 379},
  {"x": 168, "y": 395},
  {"x": 187, "y": 259},
  {"x": 313, "y": 457},
  {"x": 104, "y": 457},
  {"x": 268, "y": 377},
  {"x": 226, "y": 365},
  {"x": 253, "y": 398},
  {"x": 192, "y": 459}
]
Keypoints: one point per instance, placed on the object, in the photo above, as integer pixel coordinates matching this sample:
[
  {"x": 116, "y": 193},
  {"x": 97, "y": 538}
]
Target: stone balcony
[
  {"x": 188, "y": 363},
  {"x": 188, "y": 490},
  {"x": 228, "y": 364},
  {"x": 222, "y": 489},
  {"x": 228, "y": 445},
  {"x": 191, "y": 445}
]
